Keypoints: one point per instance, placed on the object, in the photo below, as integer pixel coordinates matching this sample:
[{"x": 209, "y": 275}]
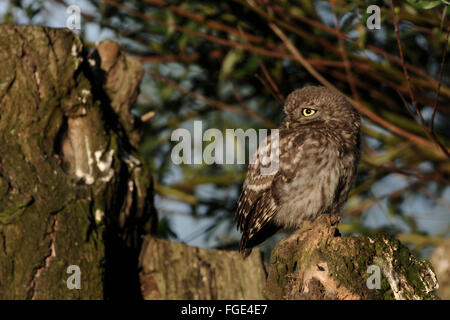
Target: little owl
[{"x": 319, "y": 150}]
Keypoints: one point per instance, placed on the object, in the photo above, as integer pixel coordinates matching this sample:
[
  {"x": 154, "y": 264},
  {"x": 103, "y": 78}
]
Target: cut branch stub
[
  {"x": 315, "y": 262},
  {"x": 172, "y": 270}
]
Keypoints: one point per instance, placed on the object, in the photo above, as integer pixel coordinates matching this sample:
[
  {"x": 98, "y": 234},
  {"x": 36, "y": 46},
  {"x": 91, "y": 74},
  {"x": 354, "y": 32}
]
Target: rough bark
[
  {"x": 441, "y": 263},
  {"x": 72, "y": 189},
  {"x": 172, "y": 270},
  {"x": 315, "y": 262}
]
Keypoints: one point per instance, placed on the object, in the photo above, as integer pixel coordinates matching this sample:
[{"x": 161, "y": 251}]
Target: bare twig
[
  {"x": 438, "y": 89},
  {"x": 274, "y": 88},
  {"x": 210, "y": 23},
  {"x": 272, "y": 83},
  {"x": 364, "y": 205},
  {"x": 297, "y": 56},
  {"x": 205, "y": 36},
  {"x": 405, "y": 103},
  {"x": 147, "y": 116},
  {"x": 170, "y": 58},
  {"x": 422, "y": 122},
  {"x": 350, "y": 78},
  {"x": 300, "y": 57},
  {"x": 389, "y": 56},
  {"x": 405, "y": 71},
  {"x": 391, "y": 127},
  {"x": 215, "y": 103},
  {"x": 422, "y": 177},
  {"x": 442, "y": 202},
  {"x": 268, "y": 87}
]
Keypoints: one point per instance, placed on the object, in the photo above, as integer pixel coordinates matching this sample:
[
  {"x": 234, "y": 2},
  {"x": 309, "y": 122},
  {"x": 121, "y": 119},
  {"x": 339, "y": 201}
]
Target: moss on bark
[
  {"x": 62, "y": 166},
  {"x": 315, "y": 262}
]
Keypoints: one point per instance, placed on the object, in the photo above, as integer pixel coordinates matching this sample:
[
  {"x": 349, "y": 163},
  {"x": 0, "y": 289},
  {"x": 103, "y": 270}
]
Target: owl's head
[{"x": 319, "y": 106}]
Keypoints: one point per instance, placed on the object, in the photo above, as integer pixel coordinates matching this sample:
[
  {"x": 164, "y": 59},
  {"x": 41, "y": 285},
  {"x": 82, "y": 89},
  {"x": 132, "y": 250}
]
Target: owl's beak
[{"x": 287, "y": 124}]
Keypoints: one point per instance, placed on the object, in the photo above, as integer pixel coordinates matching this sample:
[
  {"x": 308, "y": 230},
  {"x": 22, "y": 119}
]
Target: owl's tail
[
  {"x": 245, "y": 251},
  {"x": 252, "y": 237}
]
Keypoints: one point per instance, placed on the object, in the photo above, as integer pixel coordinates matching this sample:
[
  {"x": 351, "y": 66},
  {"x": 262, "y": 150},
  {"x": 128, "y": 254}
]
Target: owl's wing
[{"x": 257, "y": 204}]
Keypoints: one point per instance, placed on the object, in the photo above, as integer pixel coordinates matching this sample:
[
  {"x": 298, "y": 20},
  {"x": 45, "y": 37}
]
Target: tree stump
[
  {"x": 315, "y": 262},
  {"x": 172, "y": 270}
]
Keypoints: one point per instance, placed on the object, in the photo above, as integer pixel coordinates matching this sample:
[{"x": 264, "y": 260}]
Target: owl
[{"x": 318, "y": 149}]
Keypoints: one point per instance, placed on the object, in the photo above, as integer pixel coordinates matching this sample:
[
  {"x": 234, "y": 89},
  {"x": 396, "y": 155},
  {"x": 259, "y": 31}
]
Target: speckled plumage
[{"x": 318, "y": 157}]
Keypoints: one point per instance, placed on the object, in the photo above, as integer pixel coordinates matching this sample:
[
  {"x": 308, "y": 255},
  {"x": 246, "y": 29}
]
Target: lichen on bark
[{"x": 316, "y": 262}]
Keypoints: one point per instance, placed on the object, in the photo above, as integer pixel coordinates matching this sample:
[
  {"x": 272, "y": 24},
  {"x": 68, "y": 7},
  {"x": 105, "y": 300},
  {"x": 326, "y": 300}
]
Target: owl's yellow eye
[{"x": 307, "y": 112}]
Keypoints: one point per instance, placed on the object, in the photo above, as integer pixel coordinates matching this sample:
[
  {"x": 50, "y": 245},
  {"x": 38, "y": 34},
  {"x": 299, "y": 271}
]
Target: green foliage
[{"x": 423, "y": 4}]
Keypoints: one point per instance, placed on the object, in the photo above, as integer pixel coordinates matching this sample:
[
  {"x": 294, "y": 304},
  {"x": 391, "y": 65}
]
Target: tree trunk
[{"x": 73, "y": 191}]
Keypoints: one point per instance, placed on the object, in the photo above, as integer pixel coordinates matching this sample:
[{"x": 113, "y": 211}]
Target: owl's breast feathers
[{"x": 316, "y": 168}]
